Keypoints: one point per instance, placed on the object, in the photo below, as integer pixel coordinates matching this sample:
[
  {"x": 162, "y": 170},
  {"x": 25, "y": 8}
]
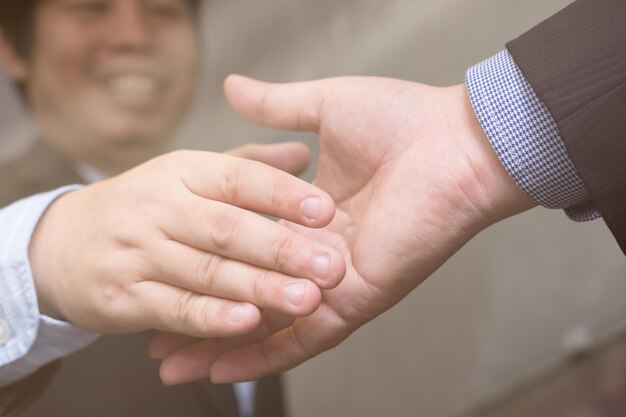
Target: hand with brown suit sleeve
[{"x": 431, "y": 204}]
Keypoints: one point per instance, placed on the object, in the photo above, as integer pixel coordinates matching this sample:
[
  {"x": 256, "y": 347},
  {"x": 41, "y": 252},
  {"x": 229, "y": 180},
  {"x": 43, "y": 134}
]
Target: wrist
[
  {"x": 44, "y": 259},
  {"x": 497, "y": 194}
]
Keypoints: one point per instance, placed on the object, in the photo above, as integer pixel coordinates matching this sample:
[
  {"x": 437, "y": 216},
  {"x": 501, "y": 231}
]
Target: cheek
[
  {"x": 183, "y": 65},
  {"x": 60, "y": 74},
  {"x": 180, "y": 51},
  {"x": 61, "y": 58}
]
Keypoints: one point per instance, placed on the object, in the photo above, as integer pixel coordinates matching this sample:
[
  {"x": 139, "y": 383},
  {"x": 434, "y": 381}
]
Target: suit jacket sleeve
[{"x": 575, "y": 62}]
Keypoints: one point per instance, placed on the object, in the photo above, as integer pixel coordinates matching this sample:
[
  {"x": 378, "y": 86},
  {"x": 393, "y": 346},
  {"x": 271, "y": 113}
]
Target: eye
[
  {"x": 167, "y": 9},
  {"x": 90, "y": 8}
]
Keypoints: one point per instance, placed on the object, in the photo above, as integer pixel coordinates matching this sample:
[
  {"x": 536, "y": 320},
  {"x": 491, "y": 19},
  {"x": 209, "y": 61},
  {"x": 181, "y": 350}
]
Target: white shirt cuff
[{"x": 28, "y": 340}]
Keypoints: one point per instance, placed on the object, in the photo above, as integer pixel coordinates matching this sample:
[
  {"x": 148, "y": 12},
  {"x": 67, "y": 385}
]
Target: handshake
[{"x": 406, "y": 177}]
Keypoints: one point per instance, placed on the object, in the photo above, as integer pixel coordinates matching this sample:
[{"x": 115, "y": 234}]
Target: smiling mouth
[
  {"x": 132, "y": 84},
  {"x": 135, "y": 92}
]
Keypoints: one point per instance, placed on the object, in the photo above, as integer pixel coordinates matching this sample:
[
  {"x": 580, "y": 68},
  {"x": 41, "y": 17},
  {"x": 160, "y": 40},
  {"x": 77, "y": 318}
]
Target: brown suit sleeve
[
  {"x": 576, "y": 63},
  {"x": 19, "y": 395}
]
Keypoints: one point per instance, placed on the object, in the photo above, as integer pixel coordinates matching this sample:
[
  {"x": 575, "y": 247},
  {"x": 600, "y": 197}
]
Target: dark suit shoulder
[
  {"x": 15, "y": 398},
  {"x": 40, "y": 169}
]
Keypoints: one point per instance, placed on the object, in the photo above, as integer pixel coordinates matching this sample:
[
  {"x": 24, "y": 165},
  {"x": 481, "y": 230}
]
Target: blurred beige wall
[{"x": 506, "y": 308}]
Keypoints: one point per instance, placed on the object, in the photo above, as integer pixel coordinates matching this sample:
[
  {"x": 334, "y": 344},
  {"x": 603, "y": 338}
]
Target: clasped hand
[
  {"x": 414, "y": 178},
  {"x": 176, "y": 245}
]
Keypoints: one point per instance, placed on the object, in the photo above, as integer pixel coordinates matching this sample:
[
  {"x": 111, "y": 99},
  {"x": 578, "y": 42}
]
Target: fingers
[
  {"x": 257, "y": 187},
  {"x": 164, "y": 307},
  {"x": 295, "y": 106},
  {"x": 305, "y": 338},
  {"x": 193, "y": 361},
  {"x": 291, "y": 157},
  {"x": 234, "y": 233},
  {"x": 210, "y": 274},
  {"x": 190, "y": 363},
  {"x": 164, "y": 344}
]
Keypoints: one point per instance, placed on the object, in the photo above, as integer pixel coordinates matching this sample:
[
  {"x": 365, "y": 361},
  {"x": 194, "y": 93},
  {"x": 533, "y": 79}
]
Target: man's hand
[
  {"x": 414, "y": 179},
  {"x": 175, "y": 245}
]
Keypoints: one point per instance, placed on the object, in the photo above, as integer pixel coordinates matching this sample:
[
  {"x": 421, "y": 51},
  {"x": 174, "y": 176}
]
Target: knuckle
[
  {"x": 208, "y": 271},
  {"x": 222, "y": 234},
  {"x": 260, "y": 108},
  {"x": 169, "y": 161},
  {"x": 280, "y": 189},
  {"x": 179, "y": 314},
  {"x": 205, "y": 317},
  {"x": 170, "y": 168},
  {"x": 232, "y": 182},
  {"x": 266, "y": 354},
  {"x": 193, "y": 315},
  {"x": 114, "y": 299},
  {"x": 308, "y": 116},
  {"x": 260, "y": 285},
  {"x": 281, "y": 251}
]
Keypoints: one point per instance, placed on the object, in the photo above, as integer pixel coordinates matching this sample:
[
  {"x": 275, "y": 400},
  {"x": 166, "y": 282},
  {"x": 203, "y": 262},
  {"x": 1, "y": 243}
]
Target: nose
[{"x": 129, "y": 29}]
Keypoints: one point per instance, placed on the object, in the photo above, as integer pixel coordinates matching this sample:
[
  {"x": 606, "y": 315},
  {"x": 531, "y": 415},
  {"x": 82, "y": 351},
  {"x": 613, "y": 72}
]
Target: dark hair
[{"x": 16, "y": 22}]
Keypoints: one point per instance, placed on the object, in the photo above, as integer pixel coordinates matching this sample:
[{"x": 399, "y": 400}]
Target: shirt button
[{"x": 4, "y": 332}]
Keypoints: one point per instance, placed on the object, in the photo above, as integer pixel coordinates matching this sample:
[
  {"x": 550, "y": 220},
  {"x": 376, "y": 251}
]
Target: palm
[{"x": 366, "y": 158}]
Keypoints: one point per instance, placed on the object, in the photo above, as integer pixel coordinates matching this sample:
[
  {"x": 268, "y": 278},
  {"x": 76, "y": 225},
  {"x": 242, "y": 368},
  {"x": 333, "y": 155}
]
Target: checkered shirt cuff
[{"x": 526, "y": 137}]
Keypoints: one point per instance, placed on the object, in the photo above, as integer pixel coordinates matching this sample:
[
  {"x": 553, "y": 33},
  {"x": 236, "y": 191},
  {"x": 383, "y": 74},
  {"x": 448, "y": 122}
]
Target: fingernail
[
  {"x": 310, "y": 207},
  {"x": 237, "y": 314},
  {"x": 294, "y": 293},
  {"x": 321, "y": 266}
]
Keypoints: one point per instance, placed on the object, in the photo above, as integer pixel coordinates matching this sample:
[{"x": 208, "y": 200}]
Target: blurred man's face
[{"x": 110, "y": 78}]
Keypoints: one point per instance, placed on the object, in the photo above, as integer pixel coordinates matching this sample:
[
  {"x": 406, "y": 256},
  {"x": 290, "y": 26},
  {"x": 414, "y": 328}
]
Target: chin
[
  {"x": 137, "y": 142},
  {"x": 137, "y": 133}
]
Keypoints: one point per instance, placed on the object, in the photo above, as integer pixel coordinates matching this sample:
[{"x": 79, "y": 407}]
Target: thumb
[
  {"x": 294, "y": 106},
  {"x": 291, "y": 157}
]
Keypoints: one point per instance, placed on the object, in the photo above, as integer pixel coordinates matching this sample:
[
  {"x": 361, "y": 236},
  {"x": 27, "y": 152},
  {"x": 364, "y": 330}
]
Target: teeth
[{"x": 134, "y": 84}]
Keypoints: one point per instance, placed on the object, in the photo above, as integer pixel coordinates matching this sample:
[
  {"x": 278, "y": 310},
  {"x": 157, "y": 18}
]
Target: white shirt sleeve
[{"x": 28, "y": 340}]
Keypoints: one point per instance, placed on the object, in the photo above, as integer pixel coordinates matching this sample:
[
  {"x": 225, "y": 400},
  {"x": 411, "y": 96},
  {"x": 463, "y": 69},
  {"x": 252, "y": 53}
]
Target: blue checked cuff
[{"x": 526, "y": 137}]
